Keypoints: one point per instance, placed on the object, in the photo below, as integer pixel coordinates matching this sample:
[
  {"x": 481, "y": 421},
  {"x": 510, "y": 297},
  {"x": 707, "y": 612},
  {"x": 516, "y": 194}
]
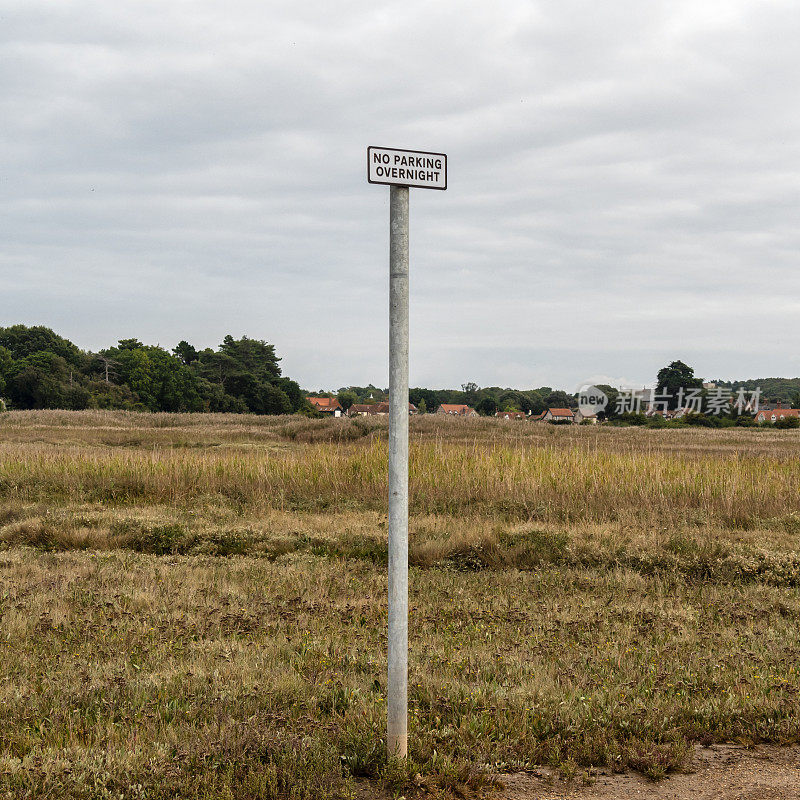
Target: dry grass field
[{"x": 194, "y": 606}]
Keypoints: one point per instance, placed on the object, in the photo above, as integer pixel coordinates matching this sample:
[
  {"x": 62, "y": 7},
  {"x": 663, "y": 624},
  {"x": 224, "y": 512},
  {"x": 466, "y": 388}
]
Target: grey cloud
[{"x": 623, "y": 181}]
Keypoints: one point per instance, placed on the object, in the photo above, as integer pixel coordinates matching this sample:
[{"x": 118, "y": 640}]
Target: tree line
[{"x": 40, "y": 369}]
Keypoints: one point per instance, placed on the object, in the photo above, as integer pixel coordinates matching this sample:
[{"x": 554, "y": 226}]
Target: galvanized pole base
[{"x": 397, "y": 687}]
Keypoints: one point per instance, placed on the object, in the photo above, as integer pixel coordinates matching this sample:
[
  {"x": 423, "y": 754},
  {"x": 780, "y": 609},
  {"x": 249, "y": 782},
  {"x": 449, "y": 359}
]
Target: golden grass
[
  {"x": 735, "y": 478},
  {"x": 194, "y": 606}
]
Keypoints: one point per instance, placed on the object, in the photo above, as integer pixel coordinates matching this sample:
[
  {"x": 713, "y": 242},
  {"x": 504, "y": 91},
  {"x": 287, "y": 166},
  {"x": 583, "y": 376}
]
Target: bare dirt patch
[{"x": 719, "y": 772}]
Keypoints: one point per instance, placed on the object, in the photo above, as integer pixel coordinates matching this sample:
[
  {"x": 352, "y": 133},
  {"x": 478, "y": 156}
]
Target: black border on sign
[{"x": 400, "y": 150}]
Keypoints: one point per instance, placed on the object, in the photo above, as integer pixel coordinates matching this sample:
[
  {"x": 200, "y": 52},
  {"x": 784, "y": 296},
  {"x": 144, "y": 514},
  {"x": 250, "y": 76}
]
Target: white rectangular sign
[{"x": 406, "y": 168}]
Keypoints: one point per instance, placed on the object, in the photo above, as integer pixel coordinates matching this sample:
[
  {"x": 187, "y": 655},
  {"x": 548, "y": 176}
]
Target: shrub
[{"x": 159, "y": 540}]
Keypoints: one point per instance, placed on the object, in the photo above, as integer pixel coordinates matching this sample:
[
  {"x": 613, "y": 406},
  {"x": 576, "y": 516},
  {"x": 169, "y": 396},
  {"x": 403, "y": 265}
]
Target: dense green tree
[
  {"x": 43, "y": 380},
  {"x": 32, "y": 387},
  {"x": 185, "y": 352},
  {"x": 346, "y": 398},
  {"x": 245, "y": 386},
  {"x": 254, "y": 356},
  {"x": 470, "y": 390},
  {"x": 297, "y": 397},
  {"x": 274, "y": 400},
  {"x": 532, "y": 402},
  {"x": 487, "y": 407},
  {"x": 135, "y": 370},
  {"x": 368, "y": 394},
  {"x": 674, "y": 377},
  {"x": 159, "y": 380},
  {"x": 129, "y": 344},
  {"x": 216, "y": 399},
  {"x": 249, "y": 373},
  {"x": 215, "y": 367},
  {"x": 104, "y": 394},
  {"x": 511, "y": 400},
  {"x": 610, "y": 411},
  {"x": 560, "y": 399},
  {"x": 22, "y": 341},
  {"x": 6, "y": 365},
  {"x": 416, "y": 396}
]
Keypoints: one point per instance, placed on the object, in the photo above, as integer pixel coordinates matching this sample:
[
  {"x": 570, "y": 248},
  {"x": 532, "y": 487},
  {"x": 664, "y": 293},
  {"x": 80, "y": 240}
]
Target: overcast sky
[{"x": 624, "y": 182}]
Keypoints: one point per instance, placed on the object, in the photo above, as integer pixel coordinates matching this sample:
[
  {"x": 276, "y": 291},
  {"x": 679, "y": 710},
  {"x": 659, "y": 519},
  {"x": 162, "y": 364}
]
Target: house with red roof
[
  {"x": 359, "y": 410},
  {"x": 326, "y": 405},
  {"x": 456, "y": 410},
  {"x": 773, "y": 415},
  {"x": 559, "y": 416}
]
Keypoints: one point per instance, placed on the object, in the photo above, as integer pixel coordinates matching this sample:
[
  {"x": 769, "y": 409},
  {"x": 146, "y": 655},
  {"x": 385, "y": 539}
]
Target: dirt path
[{"x": 720, "y": 772}]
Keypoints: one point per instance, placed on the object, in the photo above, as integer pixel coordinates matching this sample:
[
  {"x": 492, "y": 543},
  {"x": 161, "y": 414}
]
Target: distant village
[
  {"x": 330, "y": 405},
  {"x": 644, "y": 402}
]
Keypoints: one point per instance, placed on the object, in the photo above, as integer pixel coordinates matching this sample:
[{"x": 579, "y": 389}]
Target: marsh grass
[
  {"x": 195, "y": 607},
  {"x": 550, "y": 481}
]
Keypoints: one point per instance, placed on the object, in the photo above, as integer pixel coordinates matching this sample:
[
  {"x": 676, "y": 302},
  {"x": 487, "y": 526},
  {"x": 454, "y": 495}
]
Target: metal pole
[{"x": 397, "y": 686}]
